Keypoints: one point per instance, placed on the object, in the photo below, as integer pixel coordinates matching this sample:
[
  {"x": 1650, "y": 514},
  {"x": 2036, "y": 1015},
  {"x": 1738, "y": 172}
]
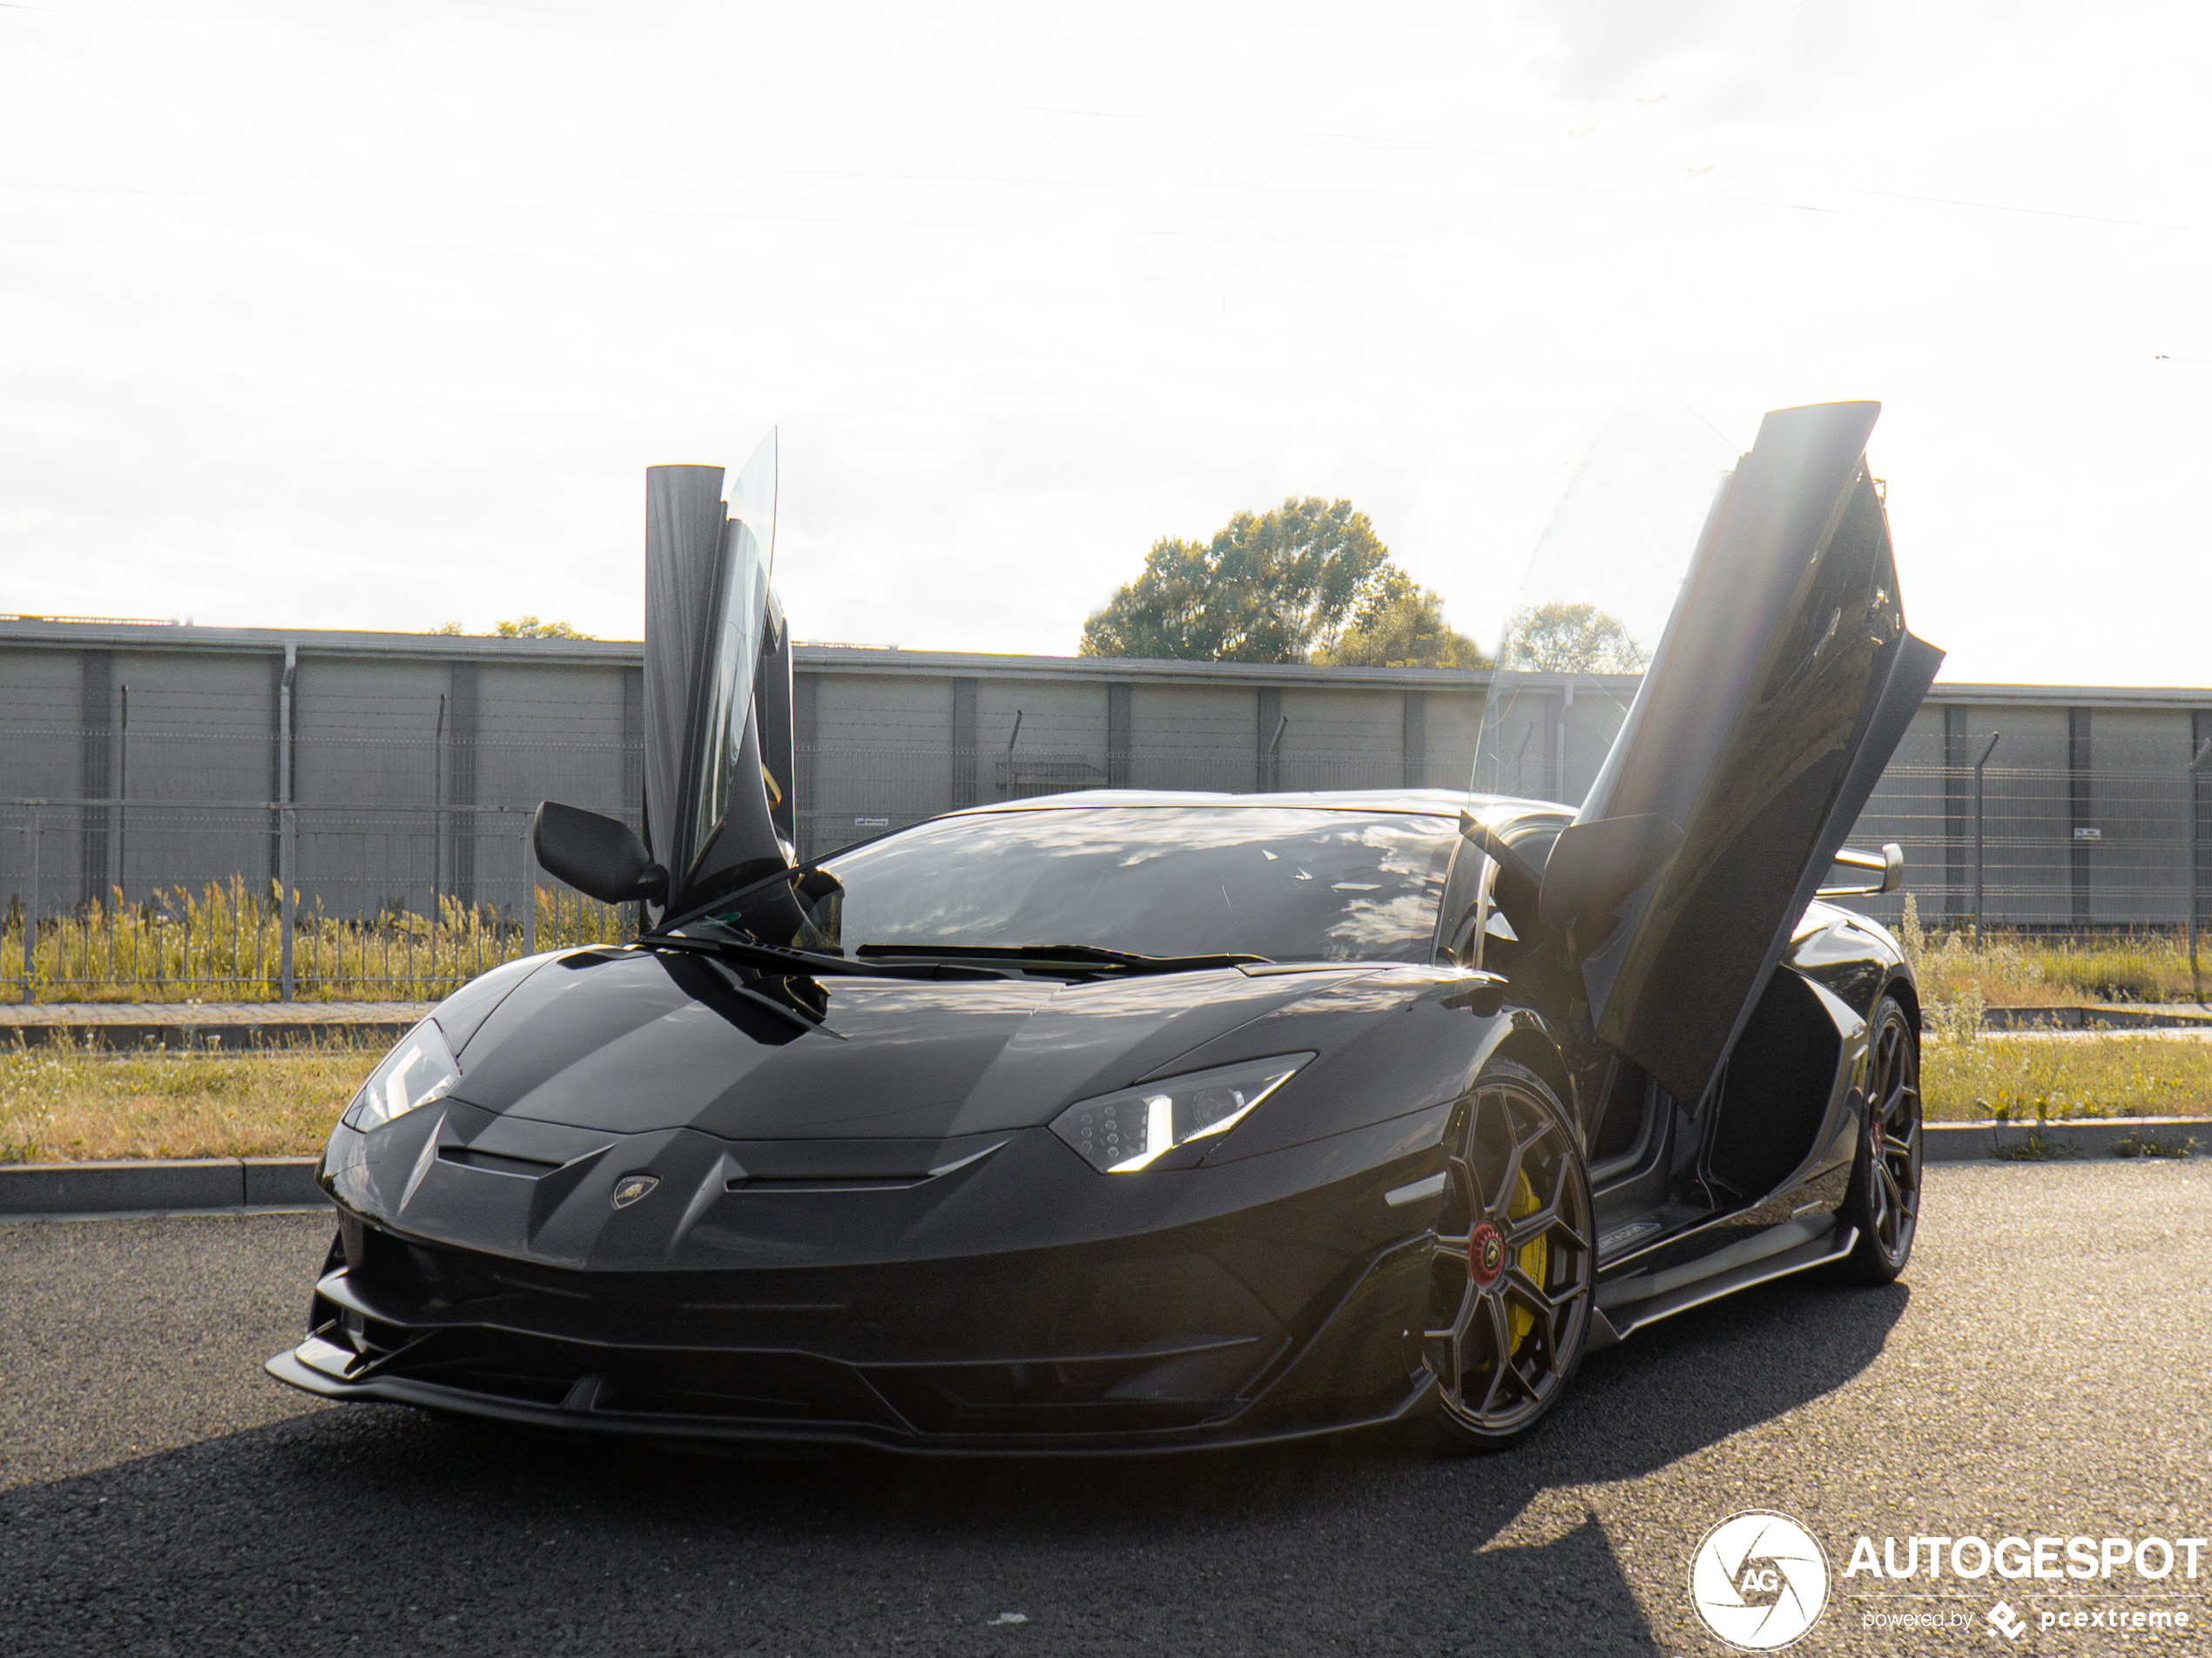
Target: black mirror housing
[{"x": 601, "y": 857}]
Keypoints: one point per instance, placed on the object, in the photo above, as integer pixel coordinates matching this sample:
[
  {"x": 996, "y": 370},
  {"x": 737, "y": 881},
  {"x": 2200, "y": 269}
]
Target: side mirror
[
  {"x": 600, "y": 856},
  {"x": 1888, "y": 865}
]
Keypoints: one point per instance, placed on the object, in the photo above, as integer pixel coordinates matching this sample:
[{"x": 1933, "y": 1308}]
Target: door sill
[{"x": 1623, "y": 1318}]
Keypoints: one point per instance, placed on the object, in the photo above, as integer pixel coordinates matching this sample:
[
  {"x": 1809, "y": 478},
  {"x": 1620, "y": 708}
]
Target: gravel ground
[{"x": 2041, "y": 1371}]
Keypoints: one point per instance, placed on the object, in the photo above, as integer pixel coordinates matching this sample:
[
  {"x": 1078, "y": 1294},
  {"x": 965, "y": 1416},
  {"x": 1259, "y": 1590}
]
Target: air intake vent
[{"x": 469, "y": 1157}]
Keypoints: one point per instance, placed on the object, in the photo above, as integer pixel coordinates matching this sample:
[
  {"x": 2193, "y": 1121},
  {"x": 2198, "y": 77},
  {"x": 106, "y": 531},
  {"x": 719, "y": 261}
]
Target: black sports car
[{"x": 1126, "y": 1121}]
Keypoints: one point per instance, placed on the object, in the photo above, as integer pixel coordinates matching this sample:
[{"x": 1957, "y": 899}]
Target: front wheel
[
  {"x": 1512, "y": 1275},
  {"x": 1884, "y": 1198}
]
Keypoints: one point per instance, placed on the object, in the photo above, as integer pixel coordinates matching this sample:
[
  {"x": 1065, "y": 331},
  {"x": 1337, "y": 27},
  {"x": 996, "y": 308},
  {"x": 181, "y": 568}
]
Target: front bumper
[{"x": 1274, "y": 1298}]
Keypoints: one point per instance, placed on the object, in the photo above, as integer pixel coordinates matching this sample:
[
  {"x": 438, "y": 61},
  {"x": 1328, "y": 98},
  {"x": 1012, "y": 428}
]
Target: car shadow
[{"x": 374, "y": 1528}]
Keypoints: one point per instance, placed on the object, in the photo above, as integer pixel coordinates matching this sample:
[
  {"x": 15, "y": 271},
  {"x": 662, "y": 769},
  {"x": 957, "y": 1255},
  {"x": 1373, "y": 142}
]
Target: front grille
[{"x": 872, "y": 1347}]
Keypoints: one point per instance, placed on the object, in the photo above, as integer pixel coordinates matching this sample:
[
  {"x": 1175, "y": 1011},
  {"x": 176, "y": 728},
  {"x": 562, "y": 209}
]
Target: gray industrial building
[{"x": 398, "y": 770}]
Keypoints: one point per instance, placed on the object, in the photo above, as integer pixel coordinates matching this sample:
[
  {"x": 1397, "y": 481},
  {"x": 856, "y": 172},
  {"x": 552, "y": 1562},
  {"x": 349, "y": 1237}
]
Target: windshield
[
  {"x": 1597, "y": 598},
  {"x": 1287, "y": 884},
  {"x": 748, "y": 555}
]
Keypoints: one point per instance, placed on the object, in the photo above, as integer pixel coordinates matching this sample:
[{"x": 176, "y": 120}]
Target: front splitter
[{"x": 290, "y": 1368}]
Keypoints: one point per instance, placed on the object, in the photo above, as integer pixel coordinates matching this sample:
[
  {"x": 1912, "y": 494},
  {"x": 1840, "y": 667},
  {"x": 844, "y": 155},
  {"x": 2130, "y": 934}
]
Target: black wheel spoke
[
  {"x": 1530, "y": 1227},
  {"x": 1500, "y": 1344},
  {"x": 1495, "y": 1210},
  {"x": 1897, "y": 1103},
  {"x": 1538, "y": 1300},
  {"x": 1892, "y": 1207},
  {"x": 1566, "y": 1233}
]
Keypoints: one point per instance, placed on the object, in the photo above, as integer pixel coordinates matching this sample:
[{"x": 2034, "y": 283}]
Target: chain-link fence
[
  {"x": 254, "y": 898},
  {"x": 257, "y": 900},
  {"x": 2043, "y": 849}
]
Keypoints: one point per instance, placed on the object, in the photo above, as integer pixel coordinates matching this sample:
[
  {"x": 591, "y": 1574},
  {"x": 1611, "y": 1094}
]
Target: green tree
[
  {"x": 529, "y": 627},
  {"x": 1569, "y": 636},
  {"x": 1402, "y": 626},
  {"x": 1270, "y": 587},
  {"x": 447, "y": 628}
]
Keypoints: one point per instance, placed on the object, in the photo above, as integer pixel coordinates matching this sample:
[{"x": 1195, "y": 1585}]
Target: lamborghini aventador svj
[{"x": 1131, "y": 1121}]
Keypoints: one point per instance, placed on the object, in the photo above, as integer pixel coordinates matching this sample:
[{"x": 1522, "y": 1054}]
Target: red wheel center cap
[{"x": 1487, "y": 1254}]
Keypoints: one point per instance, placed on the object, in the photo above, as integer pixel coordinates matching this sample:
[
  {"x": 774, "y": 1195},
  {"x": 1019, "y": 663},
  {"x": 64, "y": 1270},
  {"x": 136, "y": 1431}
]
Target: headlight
[
  {"x": 1117, "y": 1134},
  {"x": 419, "y": 1070}
]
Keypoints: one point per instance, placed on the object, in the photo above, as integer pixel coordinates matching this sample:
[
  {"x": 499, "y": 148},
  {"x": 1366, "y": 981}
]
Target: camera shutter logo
[{"x": 1759, "y": 1581}]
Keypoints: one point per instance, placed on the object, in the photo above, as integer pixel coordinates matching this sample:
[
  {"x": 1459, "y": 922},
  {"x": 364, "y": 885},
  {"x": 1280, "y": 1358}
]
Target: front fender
[{"x": 1390, "y": 1043}]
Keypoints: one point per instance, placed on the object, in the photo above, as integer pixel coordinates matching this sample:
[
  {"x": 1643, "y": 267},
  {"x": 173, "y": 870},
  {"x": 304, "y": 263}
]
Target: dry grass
[
  {"x": 2096, "y": 1075},
  {"x": 2011, "y": 970},
  {"x": 225, "y": 943},
  {"x": 65, "y": 1104}
]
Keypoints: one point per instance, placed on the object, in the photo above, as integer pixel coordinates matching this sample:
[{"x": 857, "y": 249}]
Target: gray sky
[{"x": 334, "y": 314}]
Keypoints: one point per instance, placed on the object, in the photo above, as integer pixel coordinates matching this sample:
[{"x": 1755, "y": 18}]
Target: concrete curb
[
  {"x": 1983, "y": 1142},
  {"x": 2090, "y": 1019},
  {"x": 192, "y": 1185}
]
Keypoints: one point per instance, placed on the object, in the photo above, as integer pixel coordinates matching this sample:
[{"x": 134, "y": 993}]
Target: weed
[
  {"x": 1956, "y": 1019},
  {"x": 2105, "y": 1073},
  {"x": 227, "y": 940},
  {"x": 2008, "y": 970},
  {"x": 2143, "y": 1143},
  {"x": 2040, "y": 1145}
]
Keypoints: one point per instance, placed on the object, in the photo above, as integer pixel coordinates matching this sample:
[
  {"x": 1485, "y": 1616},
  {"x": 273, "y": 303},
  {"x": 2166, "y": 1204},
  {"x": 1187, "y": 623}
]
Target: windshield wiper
[
  {"x": 1079, "y": 958},
  {"x": 796, "y": 963},
  {"x": 804, "y": 866}
]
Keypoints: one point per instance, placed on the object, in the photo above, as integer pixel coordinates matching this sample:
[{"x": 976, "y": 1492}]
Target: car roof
[{"x": 1435, "y": 803}]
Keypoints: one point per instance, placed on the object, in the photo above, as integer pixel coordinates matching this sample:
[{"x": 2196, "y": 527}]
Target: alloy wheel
[
  {"x": 1510, "y": 1281},
  {"x": 1893, "y": 1136}
]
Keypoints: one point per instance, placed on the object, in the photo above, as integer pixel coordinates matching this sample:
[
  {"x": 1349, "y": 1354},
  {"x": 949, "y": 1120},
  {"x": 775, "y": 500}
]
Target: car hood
[{"x": 632, "y": 1041}]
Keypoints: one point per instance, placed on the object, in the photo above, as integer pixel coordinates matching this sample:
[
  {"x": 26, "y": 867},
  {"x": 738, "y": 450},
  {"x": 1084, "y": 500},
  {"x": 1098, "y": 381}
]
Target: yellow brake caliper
[{"x": 1534, "y": 1257}]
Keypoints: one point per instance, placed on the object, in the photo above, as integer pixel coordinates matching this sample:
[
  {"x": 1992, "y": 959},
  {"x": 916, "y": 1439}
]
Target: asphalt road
[{"x": 2041, "y": 1370}]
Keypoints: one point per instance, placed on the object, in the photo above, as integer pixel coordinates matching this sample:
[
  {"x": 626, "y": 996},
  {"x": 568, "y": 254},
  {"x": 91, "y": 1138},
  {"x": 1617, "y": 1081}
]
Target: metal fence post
[
  {"x": 1979, "y": 765},
  {"x": 286, "y": 828},
  {"x": 2197, "y": 981},
  {"x": 287, "y": 837},
  {"x": 529, "y": 893},
  {"x": 30, "y": 906}
]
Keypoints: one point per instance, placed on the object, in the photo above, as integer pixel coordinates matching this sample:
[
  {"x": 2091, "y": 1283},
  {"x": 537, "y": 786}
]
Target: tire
[
  {"x": 1511, "y": 1281},
  {"x": 1884, "y": 1198}
]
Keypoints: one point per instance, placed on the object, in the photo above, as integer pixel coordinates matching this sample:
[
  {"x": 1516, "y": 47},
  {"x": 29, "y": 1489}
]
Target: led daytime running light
[{"x": 1125, "y": 1132}]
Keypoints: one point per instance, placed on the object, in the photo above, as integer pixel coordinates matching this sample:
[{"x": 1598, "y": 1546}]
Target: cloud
[{"x": 374, "y": 315}]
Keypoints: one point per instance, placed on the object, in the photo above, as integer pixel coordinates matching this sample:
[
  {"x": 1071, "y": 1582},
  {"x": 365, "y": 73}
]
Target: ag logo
[
  {"x": 631, "y": 1188},
  {"x": 1758, "y": 1579}
]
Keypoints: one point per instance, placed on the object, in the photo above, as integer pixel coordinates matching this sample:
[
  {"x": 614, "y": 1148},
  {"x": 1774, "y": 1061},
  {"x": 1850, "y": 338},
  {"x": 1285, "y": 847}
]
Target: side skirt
[{"x": 1622, "y": 1313}]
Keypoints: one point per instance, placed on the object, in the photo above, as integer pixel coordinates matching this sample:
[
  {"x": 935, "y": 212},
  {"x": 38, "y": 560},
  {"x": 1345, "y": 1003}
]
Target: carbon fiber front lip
[{"x": 290, "y": 1368}]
